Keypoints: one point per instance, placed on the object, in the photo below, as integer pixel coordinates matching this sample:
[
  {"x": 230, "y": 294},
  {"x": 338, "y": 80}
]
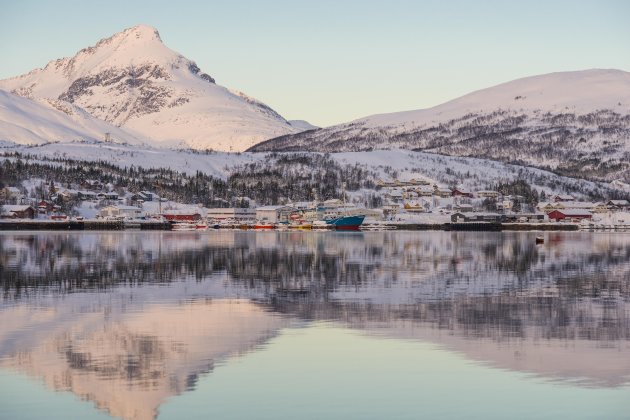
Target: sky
[{"x": 330, "y": 62}]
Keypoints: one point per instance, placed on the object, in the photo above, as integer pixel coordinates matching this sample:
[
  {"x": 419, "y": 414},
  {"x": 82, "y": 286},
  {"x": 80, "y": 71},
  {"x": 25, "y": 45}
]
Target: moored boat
[
  {"x": 184, "y": 226},
  {"x": 263, "y": 225},
  {"x": 346, "y": 222}
]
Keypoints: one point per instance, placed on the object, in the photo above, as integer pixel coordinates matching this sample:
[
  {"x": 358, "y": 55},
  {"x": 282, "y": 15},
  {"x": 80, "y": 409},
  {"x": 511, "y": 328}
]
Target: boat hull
[{"x": 346, "y": 222}]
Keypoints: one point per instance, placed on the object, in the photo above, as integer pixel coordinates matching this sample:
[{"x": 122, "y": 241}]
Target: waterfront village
[{"x": 404, "y": 204}]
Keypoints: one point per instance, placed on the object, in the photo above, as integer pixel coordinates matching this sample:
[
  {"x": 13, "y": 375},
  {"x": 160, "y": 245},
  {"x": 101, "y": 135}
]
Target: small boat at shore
[
  {"x": 540, "y": 240},
  {"x": 264, "y": 226},
  {"x": 183, "y": 226}
]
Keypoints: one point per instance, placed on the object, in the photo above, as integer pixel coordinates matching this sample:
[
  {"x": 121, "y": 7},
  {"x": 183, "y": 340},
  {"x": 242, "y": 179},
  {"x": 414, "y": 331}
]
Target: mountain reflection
[{"x": 127, "y": 319}]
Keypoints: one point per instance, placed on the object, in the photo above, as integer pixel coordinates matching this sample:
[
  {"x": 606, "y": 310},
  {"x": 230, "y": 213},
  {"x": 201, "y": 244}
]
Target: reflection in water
[{"x": 127, "y": 319}]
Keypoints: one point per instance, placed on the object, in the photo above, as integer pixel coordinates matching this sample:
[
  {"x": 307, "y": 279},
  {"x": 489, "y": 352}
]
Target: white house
[
  {"x": 125, "y": 212},
  {"x": 274, "y": 214},
  {"x": 230, "y": 213}
]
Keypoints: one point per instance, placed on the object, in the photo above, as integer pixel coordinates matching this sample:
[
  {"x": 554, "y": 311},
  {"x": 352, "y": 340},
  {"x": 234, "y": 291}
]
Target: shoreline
[{"x": 114, "y": 225}]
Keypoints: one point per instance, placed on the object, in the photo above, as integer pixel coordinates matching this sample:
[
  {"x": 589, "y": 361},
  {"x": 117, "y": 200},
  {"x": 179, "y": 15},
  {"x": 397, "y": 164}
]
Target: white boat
[{"x": 184, "y": 226}]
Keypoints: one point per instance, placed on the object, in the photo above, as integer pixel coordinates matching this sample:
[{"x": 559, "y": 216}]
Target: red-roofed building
[
  {"x": 181, "y": 216},
  {"x": 570, "y": 214}
]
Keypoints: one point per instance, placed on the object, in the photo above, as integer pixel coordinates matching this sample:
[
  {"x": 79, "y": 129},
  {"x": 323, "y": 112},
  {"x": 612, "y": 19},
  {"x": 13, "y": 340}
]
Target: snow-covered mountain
[
  {"x": 576, "y": 123},
  {"x": 132, "y": 80},
  {"x": 27, "y": 121}
]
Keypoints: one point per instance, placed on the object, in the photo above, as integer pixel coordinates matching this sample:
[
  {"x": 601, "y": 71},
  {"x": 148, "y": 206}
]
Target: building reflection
[{"x": 128, "y": 319}]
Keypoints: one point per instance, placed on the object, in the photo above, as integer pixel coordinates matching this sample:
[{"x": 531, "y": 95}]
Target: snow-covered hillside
[
  {"x": 49, "y": 120},
  {"x": 577, "y": 123},
  {"x": 469, "y": 173},
  {"x": 134, "y": 81}
]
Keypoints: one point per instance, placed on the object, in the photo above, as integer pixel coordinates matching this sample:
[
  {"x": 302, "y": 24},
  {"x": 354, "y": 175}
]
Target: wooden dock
[{"x": 78, "y": 225}]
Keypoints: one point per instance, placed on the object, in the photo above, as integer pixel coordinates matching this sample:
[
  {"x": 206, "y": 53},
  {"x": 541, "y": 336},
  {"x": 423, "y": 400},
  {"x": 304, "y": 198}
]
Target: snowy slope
[
  {"x": 470, "y": 173},
  {"x": 563, "y": 92},
  {"x": 577, "y": 123},
  {"x": 46, "y": 120},
  {"x": 133, "y": 80}
]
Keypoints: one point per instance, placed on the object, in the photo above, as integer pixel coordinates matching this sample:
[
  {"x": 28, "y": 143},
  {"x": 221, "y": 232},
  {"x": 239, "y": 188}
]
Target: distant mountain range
[
  {"x": 133, "y": 81},
  {"x": 575, "y": 123},
  {"x": 131, "y": 88}
]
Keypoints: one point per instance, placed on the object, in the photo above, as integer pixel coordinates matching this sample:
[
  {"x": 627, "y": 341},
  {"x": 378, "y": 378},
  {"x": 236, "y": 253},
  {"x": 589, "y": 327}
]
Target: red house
[
  {"x": 570, "y": 214},
  {"x": 45, "y": 206},
  {"x": 182, "y": 216}
]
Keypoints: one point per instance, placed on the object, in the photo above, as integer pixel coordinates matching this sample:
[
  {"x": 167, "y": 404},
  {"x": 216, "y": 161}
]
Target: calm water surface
[{"x": 288, "y": 325}]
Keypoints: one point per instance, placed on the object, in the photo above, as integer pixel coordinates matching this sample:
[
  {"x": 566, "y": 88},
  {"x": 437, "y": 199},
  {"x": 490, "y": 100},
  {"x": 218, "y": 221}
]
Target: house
[
  {"x": 487, "y": 194},
  {"x": 92, "y": 184},
  {"x": 86, "y": 195},
  {"x": 442, "y": 192},
  {"x": 394, "y": 196},
  {"x": 460, "y": 192},
  {"x": 525, "y": 217},
  {"x": 45, "y": 207},
  {"x": 563, "y": 197},
  {"x": 107, "y": 196},
  {"x": 11, "y": 194},
  {"x": 274, "y": 214},
  {"x": 425, "y": 191},
  {"x": 618, "y": 204},
  {"x": 414, "y": 181},
  {"x": 122, "y": 212},
  {"x": 477, "y": 217},
  {"x": 414, "y": 207},
  {"x": 148, "y": 196},
  {"x": 17, "y": 211},
  {"x": 571, "y": 214},
  {"x": 181, "y": 216},
  {"x": 463, "y": 208},
  {"x": 230, "y": 213}
]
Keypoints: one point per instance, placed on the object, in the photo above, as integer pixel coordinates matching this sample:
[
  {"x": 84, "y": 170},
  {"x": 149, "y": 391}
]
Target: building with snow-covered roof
[
  {"x": 563, "y": 197},
  {"x": 274, "y": 214},
  {"x": 443, "y": 192},
  {"x": 11, "y": 194},
  {"x": 618, "y": 204},
  {"x": 124, "y": 212},
  {"x": 571, "y": 214},
  {"x": 461, "y": 192},
  {"x": 17, "y": 211},
  {"x": 487, "y": 194},
  {"x": 240, "y": 214},
  {"x": 460, "y": 217}
]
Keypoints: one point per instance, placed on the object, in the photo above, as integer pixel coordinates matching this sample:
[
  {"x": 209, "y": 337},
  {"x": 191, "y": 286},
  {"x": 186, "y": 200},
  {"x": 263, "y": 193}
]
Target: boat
[
  {"x": 301, "y": 226},
  {"x": 201, "y": 226},
  {"x": 263, "y": 225},
  {"x": 183, "y": 226},
  {"x": 346, "y": 222},
  {"x": 540, "y": 240}
]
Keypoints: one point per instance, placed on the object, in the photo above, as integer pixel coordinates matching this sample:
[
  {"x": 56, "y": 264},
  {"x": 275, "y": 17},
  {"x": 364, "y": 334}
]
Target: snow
[
  {"x": 573, "y": 91},
  {"x": 468, "y": 173},
  {"x": 35, "y": 122},
  {"x": 192, "y": 111},
  {"x": 302, "y": 125}
]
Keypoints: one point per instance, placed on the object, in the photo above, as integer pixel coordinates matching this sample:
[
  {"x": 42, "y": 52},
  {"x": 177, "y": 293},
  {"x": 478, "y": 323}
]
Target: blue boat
[{"x": 346, "y": 222}]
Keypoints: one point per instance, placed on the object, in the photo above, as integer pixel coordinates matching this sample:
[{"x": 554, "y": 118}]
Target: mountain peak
[
  {"x": 140, "y": 32},
  {"x": 133, "y": 80}
]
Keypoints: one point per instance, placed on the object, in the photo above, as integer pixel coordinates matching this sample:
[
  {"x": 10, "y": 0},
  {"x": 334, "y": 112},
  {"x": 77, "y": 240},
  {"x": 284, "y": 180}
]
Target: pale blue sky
[{"x": 333, "y": 61}]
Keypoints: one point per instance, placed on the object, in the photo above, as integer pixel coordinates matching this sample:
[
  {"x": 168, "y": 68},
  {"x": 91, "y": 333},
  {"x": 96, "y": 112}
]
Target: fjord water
[{"x": 235, "y": 324}]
